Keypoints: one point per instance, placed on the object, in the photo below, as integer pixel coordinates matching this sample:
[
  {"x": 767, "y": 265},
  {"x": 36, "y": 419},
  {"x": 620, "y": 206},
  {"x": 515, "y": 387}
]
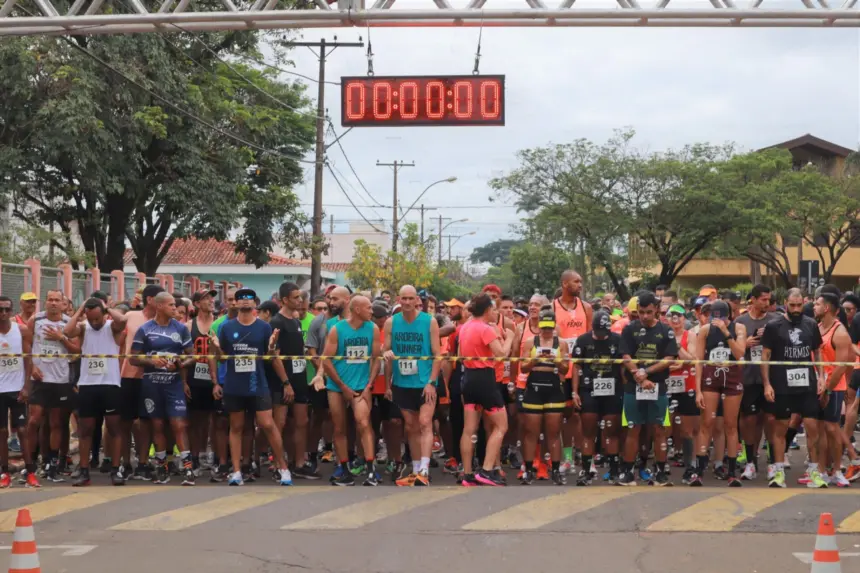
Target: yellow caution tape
[{"x": 604, "y": 361}]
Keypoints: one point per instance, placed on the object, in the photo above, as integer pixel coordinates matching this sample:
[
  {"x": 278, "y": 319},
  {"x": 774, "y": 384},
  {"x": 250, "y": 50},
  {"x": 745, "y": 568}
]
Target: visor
[{"x": 546, "y": 324}]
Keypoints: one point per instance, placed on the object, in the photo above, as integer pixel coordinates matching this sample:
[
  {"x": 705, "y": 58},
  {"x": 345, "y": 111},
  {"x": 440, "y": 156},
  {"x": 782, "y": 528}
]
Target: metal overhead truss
[{"x": 89, "y": 16}]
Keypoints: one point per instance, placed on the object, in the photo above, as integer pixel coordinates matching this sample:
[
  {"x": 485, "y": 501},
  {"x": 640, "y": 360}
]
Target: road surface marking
[
  {"x": 70, "y": 550},
  {"x": 191, "y": 515},
  {"x": 74, "y": 501},
  {"x": 850, "y": 524},
  {"x": 545, "y": 510},
  {"x": 370, "y": 511},
  {"x": 807, "y": 557},
  {"x": 722, "y": 512}
]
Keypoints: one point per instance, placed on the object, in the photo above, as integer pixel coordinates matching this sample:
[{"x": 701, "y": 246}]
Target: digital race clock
[{"x": 422, "y": 100}]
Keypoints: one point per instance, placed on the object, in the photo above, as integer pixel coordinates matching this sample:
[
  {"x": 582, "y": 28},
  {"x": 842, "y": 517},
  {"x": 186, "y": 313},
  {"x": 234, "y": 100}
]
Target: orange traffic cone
[
  {"x": 826, "y": 556},
  {"x": 25, "y": 557}
]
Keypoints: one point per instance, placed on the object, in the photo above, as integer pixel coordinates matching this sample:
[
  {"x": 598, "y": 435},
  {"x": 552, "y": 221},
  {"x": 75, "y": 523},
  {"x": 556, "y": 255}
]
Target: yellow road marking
[
  {"x": 545, "y": 510},
  {"x": 191, "y": 515},
  {"x": 370, "y": 511},
  {"x": 722, "y": 512},
  {"x": 74, "y": 501},
  {"x": 850, "y": 524}
]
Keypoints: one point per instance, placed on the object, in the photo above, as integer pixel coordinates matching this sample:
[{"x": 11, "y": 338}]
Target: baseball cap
[
  {"x": 707, "y": 291},
  {"x": 245, "y": 293},
  {"x": 546, "y": 319},
  {"x": 521, "y": 312},
  {"x": 601, "y": 323},
  {"x": 203, "y": 292},
  {"x": 633, "y": 304},
  {"x": 454, "y": 302},
  {"x": 330, "y": 288},
  {"x": 28, "y": 296},
  {"x": 269, "y": 306},
  {"x": 701, "y": 300},
  {"x": 492, "y": 288},
  {"x": 380, "y": 309}
]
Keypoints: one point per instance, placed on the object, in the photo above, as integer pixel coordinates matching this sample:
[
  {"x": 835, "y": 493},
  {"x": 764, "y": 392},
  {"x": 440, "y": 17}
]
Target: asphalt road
[{"x": 315, "y": 527}]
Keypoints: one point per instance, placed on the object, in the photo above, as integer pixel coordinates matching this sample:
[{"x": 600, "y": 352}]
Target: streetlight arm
[{"x": 447, "y": 180}]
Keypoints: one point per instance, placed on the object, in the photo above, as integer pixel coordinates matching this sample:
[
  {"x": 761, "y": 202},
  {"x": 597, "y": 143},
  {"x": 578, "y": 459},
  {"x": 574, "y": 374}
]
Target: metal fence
[
  {"x": 13, "y": 282},
  {"x": 81, "y": 287},
  {"x": 184, "y": 287},
  {"x": 51, "y": 279}
]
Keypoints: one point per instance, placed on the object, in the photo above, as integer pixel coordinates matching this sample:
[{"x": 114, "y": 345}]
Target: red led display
[{"x": 422, "y": 100}]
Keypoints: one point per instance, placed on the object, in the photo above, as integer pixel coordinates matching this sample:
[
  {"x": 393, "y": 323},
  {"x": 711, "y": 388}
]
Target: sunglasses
[{"x": 246, "y": 297}]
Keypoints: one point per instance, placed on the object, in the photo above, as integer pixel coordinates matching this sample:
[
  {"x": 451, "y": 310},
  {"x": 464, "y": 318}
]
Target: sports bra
[{"x": 555, "y": 352}]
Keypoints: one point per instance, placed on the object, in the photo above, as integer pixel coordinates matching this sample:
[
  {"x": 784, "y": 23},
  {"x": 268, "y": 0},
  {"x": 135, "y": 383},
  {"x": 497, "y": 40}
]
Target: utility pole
[
  {"x": 396, "y": 165},
  {"x": 316, "y": 248},
  {"x": 440, "y": 240},
  {"x": 423, "y": 208}
]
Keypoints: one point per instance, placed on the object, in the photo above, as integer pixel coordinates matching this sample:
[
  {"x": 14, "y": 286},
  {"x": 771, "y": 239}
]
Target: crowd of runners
[{"x": 495, "y": 390}]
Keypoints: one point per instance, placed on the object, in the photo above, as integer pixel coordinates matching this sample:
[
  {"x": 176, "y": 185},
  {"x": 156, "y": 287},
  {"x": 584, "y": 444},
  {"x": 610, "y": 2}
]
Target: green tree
[
  {"x": 375, "y": 270},
  {"x": 496, "y": 253},
  {"x": 538, "y": 268},
  {"x": 84, "y": 149}
]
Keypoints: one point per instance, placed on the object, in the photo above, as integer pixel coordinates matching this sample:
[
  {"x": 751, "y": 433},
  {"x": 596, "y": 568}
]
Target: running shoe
[
  {"x": 749, "y": 472},
  {"x": 734, "y": 482},
  {"x": 489, "y": 478},
  {"x": 558, "y": 478},
  {"x": 467, "y": 480},
  {"x": 778, "y": 479},
  {"x": 306, "y": 472},
  {"x": 337, "y": 474},
  {"x": 345, "y": 479},
  {"x": 565, "y": 466},
  {"x": 14, "y": 444},
  {"x": 721, "y": 472},
  {"x": 526, "y": 477},
  {"x": 794, "y": 445},
  {"x": 235, "y": 479},
  {"x": 118, "y": 477},
  {"x": 742, "y": 455},
  {"x": 189, "y": 477},
  {"x": 695, "y": 480},
  {"x": 852, "y": 473},
  {"x": 32, "y": 481},
  {"x": 6, "y": 481},
  {"x": 688, "y": 474},
  {"x": 83, "y": 479},
  {"x": 406, "y": 481},
  {"x": 626, "y": 479},
  {"x": 584, "y": 478},
  {"x": 515, "y": 460},
  {"x": 143, "y": 472},
  {"x": 217, "y": 474},
  {"x": 771, "y": 471},
  {"x": 371, "y": 480},
  {"x": 161, "y": 475},
  {"x": 645, "y": 475},
  {"x": 839, "y": 480},
  {"x": 804, "y": 479},
  {"x": 437, "y": 444},
  {"x": 105, "y": 466},
  {"x": 816, "y": 481},
  {"x": 327, "y": 457},
  {"x": 51, "y": 473},
  {"x": 662, "y": 480},
  {"x": 541, "y": 471},
  {"x": 451, "y": 467},
  {"x": 357, "y": 467},
  {"x": 422, "y": 479},
  {"x": 285, "y": 477}
]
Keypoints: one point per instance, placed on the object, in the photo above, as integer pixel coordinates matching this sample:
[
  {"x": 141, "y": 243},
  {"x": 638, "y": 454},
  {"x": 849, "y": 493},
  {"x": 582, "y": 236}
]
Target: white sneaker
[
  {"x": 564, "y": 467},
  {"x": 749, "y": 473},
  {"x": 236, "y": 479},
  {"x": 839, "y": 480},
  {"x": 787, "y": 463},
  {"x": 382, "y": 455},
  {"x": 771, "y": 471},
  {"x": 286, "y": 477}
]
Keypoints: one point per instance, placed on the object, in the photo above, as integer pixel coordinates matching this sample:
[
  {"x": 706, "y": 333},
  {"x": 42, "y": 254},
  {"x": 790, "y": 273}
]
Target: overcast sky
[{"x": 674, "y": 86}]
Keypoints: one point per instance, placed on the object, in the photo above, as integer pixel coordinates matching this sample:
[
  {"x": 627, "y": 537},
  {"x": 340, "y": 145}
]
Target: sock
[
  {"x": 114, "y": 469},
  {"x": 643, "y": 463},
  {"x": 701, "y": 464},
  {"x": 613, "y": 465},
  {"x": 54, "y": 457},
  {"x": 770, "y": 459},
  {"x": 329, "y": 446},
  {"x": 530, "y": 467},
  {"x": 687, "y": 446},
  {"x": 751, "y": 454},
  {"x": 626, "y": 467},
  {"x": 424, "y": 465},
  {"x": 661, "y": 467},
  {"x": 812, "y": 467},
  {"x": 780, "y": 466},
  {"x": 186, "y": 459},
  {"x": 352, "y": 456},
  {"x": 556, "y": 466},
  {"x": 416, "y": 466},
  {"x": 161, "y": 456},
  {"x": 586, "y": 463},
  {"x": 568, "y": 454},
  {"x": 370, "y": 464},
  {"x": 733, "y": 466},
  {"x": 344, "y": 464},
  {"x": 789, "y": 437}
]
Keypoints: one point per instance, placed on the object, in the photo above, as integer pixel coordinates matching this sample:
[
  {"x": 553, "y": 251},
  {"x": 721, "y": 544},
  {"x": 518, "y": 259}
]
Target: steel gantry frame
[{"x": 91, "y": 17}]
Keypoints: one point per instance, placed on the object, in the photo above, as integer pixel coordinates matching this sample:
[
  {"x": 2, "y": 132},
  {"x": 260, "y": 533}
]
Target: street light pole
[{"x": 446, "y": 180}]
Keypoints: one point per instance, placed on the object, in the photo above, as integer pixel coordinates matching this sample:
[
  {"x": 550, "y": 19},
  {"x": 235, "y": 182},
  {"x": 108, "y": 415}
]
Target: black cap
[
  {"x": 150, "y": 291},
  {"x": 380, "y": 310},
  {"x": 720, "y": 310},
  {"x": 243, "y": 293},
  {"x": 203, "y": 292},
  {"x": 601, "y": 323},
  {"x": 269, "y": 306}
]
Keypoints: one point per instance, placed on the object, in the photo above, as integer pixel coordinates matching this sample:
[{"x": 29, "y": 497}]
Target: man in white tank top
[
  {"x": 99, "y": 387},
  {"x": 15, "y": 340},
  {"x": 50, "y": 389}
]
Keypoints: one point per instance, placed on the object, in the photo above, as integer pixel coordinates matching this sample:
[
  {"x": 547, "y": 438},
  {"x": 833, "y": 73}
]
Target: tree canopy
[
  {"x": 93, "y": 152},
  {"x": 375, "y": 270}
]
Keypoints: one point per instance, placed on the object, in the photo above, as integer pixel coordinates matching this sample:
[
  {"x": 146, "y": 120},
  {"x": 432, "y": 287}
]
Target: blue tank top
[
  {"x": 356, "y": 345},
  {"x": 411, "y": 339}
]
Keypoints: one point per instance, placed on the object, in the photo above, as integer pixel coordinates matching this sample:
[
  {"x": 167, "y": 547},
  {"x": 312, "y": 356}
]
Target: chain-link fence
[
  {"x": 51, "y": 279},
  {"x": 13, "y": 282}
]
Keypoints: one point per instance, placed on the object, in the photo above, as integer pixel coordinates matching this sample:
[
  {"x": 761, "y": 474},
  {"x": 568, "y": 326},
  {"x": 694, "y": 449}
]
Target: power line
[
  {"x": 351, "y": 186},
  {"x": 274, "y": 67},
  {"x": 431, "y": 206},
  {"x": 348, "y": 162},
  {"x": 350, "y": 200},
  {"x": 182, "y": 111}
]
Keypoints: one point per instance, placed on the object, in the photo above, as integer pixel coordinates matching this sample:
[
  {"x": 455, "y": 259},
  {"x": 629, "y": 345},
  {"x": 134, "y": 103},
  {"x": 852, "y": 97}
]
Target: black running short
[
  {"x": 99, "y": 400},
  {"x": 202, "y": 399},
  {"x": 480, "y": 390},
  {"x": 251, "y": 404},
  {"x": 753, "y": 401},
  {"x": 12, "y": 410},
  {"x": 785, "y": 405},
  {"x": 53, "y": 395}
]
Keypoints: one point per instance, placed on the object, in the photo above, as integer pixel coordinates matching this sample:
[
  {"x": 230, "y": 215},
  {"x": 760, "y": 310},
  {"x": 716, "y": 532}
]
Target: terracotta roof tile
[{"x": 192, "y": 252}]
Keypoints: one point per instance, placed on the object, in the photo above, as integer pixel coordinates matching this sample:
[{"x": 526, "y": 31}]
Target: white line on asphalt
[
  {"x": 70, "y": 550},
  {"x": 807, "y": 557}
]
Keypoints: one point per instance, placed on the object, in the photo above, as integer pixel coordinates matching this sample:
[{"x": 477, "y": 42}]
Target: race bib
[
  {"x": 96, "y": 366},
  {"x": 571, "y": 342},
  {"x": 720, "y": 354},
  {"x": 675, "y": 385},
  {"x": 356, "y": 354},
  {"x": 51, "y": 349},
  {"x": 797, "y": 377},
  {"x": 755, "y": 354},
  {"x": 201, "y": 371},
  {"x": 507, "y": 370},
  {"x": 603, "y": 387},
  {"x": 11, "y": 364},
  {"x": 642, "y": 394},
  {"x": 244, "y": 365},
  {"x": 408, "y": 367},
  {"x": 299, "y": 366}
]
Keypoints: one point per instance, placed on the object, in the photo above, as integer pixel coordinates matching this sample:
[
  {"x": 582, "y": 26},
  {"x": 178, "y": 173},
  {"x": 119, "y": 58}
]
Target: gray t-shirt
[
  {"x": 316, "y": 333},
  {"x": 752, "y": 372}
]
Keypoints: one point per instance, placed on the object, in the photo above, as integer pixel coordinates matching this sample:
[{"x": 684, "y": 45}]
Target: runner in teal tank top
[{"x": 349, "y": 379}]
